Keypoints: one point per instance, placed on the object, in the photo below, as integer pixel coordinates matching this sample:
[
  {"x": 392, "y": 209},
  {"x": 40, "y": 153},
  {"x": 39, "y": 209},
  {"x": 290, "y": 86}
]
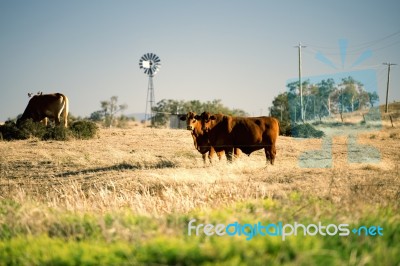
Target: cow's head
[
  {"x": 206, "y": 120},
  {"x": 191, "y": 122}
]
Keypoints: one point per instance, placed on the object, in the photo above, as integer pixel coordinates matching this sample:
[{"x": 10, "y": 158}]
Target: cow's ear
[
  {"x": 197, "y": 117},
  {"x": 213, "y": 117},
  {"x": 183, "y": 118}
]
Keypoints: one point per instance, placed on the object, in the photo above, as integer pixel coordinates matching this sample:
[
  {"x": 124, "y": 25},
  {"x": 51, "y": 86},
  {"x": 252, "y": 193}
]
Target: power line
[
  {"x": 358, "y": 50},
  {"x": 387, "y": 87},
  {"x": 374, "y": 45},
  {"x": 300, "y": 85},
  {"x": 371, "y": 43},
  {"x": 361, "y": 45}
]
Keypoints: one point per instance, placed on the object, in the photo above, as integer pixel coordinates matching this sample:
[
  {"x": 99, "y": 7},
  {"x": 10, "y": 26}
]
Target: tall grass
[{"x": 125, "y": 238}]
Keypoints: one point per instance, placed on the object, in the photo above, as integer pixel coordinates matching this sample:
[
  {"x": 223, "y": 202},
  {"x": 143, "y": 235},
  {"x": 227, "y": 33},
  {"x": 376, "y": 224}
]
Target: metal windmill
[{"x": 151, "y": 64}]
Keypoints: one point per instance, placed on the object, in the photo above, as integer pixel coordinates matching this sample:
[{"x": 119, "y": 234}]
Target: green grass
[{"x": 59, "y": 237}]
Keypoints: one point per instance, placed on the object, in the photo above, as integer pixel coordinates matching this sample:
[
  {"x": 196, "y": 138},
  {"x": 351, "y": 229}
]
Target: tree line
[
  {"x": 322, "y": 99},
  {"x": 111, "y": 112},
  {"x": 166, "y": 107}
]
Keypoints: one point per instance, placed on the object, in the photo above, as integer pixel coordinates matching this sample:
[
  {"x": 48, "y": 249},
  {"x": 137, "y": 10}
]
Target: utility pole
[
  {"x": 387, "y": 87},
  {"x": 300, "y": 85}
]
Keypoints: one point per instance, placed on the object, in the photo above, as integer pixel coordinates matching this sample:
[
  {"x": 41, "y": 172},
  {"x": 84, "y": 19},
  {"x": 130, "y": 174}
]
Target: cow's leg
[
  {"x": 236, "y": 152},
  {"x": 204, "y": 156},
  {"x": 270, "y": 153},
  {"x": 57, "y": 120},
  {"x": 228, "y": 153},
  {"x": 211, "y": 154},
  {"x": 219, "y": 154},
  {"x": 273, "y": 153},
  {"x": 44, "y": 121},
  {"x": 65, "y": 111}
]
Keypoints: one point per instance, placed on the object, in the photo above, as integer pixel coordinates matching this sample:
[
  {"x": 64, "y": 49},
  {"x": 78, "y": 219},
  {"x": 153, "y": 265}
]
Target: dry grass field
[
  {"x": 158, "y": 171},
  {"x": 157, "y": 175}
]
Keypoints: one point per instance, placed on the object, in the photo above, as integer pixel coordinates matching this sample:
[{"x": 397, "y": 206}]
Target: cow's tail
[{"x": 65, "y": 109}]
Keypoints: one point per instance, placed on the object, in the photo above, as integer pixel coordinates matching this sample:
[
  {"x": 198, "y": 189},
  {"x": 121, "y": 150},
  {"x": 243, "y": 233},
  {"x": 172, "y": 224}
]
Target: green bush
[
  {"x": 56, "y": 133},
  {"x": 9, "y": 131},
  {"x": 84, "y": 129},
  {"x": 299, "y": 130},
  {"x": 306, "y": 131},
  {"x": 28, "y": 129},
  {"x": 285, "y": 128}
]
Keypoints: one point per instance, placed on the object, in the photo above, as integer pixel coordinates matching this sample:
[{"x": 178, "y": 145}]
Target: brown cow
[
  {"x": 247, "y": 133},
  {"x": 43, "y": 106},
  {"x": 200, "y": 140}
]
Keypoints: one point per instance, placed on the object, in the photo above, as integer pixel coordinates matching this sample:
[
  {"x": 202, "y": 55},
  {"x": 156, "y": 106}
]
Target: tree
[
  {"x": 324, "y": 98},
  {"x": 163, "y": 109},
  {"x": 372, "y": 98},
  {"x": 280, "y": 110},
  {"x": 97, "y": 116},
  {"x": 108, "y": 111},
  {"x": 280, "y": 107},
  {"x": 353, "y": 96},
  {"x": 293, "y": 97},
  {"x": 325, "y": 89}
]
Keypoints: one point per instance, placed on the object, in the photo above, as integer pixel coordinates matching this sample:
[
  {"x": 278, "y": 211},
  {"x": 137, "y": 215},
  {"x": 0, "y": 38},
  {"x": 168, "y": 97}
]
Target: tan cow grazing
[
  {"x": 44, "y": 106},
  {"x": 247, "y": 133},
  {"x": 200, "y": 140}
]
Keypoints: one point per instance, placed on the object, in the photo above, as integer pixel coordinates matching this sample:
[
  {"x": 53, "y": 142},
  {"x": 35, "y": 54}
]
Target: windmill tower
[{"x": 150, "y": 63}]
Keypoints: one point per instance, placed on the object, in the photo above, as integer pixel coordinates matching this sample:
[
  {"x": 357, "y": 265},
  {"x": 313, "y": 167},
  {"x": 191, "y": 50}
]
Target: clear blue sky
[{"x": 238, "y": 51}]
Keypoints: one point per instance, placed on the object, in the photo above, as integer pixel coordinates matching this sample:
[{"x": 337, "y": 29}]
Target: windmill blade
[
  {"x": 156, "y": 68},
  {"x": 150, "y": 63}
]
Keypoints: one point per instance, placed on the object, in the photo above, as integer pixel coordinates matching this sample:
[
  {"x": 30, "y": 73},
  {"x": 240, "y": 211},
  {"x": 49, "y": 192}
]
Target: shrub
[
  {"x": 285, "y": 129},
  {"x": 28, "y": 129},
  {"x": 306, "y": 131},
  {"x": 56, "y": 133},
  {"x": 84, "y": 129},
  {"x": 9, "y": 131}
]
